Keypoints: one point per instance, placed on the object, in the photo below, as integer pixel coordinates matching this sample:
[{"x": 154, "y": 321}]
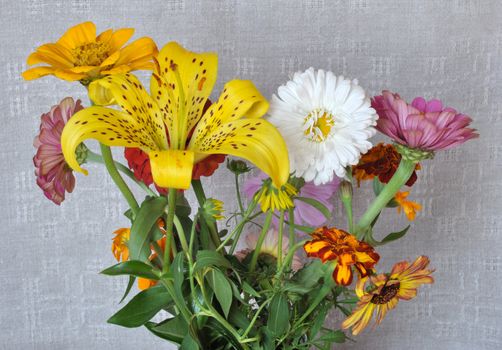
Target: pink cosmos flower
[
  {"x": 424, "y": 125},
  {"x": 54, "y": 177},
  {"x": 304, "y": 213}
]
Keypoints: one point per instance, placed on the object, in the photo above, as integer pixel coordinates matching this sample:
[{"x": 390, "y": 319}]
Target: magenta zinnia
[
  {"x": 422, "y": 125},
  {"x": 54, "y": 176}
]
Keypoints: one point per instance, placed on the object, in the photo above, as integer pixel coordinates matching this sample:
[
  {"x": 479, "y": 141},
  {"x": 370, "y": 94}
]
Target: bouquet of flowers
[{"x": 267, "y": 275}]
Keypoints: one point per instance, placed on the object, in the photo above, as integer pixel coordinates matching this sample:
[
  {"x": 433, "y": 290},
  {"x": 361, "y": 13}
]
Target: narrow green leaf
[
  {"x": 209, "y": 258},
  {"x": 333, "y": 337},
  {"x": 177, "y": 269},
  {"x": 133, "y": 268},
  {"x": 319, "y": 319},
  {"x": 222, "y": 289},
  {"x": 130, "y": 283},
  {"x": 173, "y": 329},
  {"x": 394, "y": 235},
  {"x": 278, "y": 316},
  {"x": 317, "y": 205},
  {"x": 246, "y": 287},
  {"x": 216, "y": 326},
  {"x": 189, "y": 343},
  {"x": 142, "y": 307},
  {"x": 139, "y": 244}
]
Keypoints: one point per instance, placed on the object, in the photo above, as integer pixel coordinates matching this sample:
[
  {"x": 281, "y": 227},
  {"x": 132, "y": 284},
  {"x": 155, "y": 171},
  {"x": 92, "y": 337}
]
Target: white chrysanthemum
[{"x": 326, "y": 121}]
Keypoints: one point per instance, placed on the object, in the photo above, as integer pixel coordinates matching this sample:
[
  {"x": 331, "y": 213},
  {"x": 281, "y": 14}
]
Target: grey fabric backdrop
[{"x": 51, "y": 296}]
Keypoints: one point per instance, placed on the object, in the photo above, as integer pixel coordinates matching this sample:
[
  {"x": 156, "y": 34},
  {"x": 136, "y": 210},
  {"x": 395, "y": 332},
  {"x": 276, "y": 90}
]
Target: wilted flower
[
  {"x": 213, "y": 209},
  {"x": 410, "y": 208},
  {"x": 304, "y": 213},
  {"x": 326, "y": 122},
  {"x": 54, "y": 176},
  {"x": 269, "y": 247},
  {"x": 81, "y": 55},
  {"x": 425, "y": 126},
  {"x": 343, "y": 249},
  {"x": 386, "y": 290},
  {"x": 381, "y": 161},
  {"x": 270, "y": 197}
]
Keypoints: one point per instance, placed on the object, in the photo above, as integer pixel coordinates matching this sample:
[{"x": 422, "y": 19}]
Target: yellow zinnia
[
  {"x": 180, "y": 87},
  {"x": 81, "y": 55}
]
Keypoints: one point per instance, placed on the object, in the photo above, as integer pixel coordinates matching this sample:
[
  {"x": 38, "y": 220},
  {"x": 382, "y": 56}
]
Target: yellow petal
[
  {"x": 105, "y": 36},
  {"x": 130, "y": 95},
  {"x": 108, "y": 126},
  {"x": 83, "y": 33},
  {"x": 69, "y": 75},
  {"x": 38, "y": 72},
  {"x": 255, "y": 140},
  {"x": 55, "y": 49},
  {"x": 50, "y": 54},
  {"x": 111, "y": 59},
  {"x": 117, "y": 70},
  {"x": 198, "y": 73},
  {"x": 172, "y": 168},
  {"x": 138, "y": 49},
  {"x": 120, "y": 37}
]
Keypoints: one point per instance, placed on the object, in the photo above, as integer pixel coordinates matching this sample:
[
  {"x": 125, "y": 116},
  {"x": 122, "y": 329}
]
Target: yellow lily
[{"x": 180, "y": 86}]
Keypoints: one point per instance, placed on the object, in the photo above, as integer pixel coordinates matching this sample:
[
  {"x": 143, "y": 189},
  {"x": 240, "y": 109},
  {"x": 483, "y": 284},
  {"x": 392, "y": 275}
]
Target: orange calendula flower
[
  {"x": 119, "y": 244},
  {"x": 386, "y": 290},
  {"x": 343, "y": 248},
  {"x": 410, "y": 208},
  {"x": 380, "y": 161},
  {"x": 145, "y": 283},
  {"x": 80, "y": 54}
]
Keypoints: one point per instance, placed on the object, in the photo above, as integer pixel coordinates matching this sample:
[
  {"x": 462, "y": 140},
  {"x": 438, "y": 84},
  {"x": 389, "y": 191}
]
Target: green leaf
[
  {"x": 133, "y": 268},
  {"x": 177, "y": 269},
  {"x": 278, "y": 316},
  {"x": 209, "y": 258},
  {"x": 173, "y": 329},
  {"x": 142, "y": 307},
  {"x": 139, "y": 244},
  {"x": 319, "y": 319},
  {"x": 333, "y": 337},
  {"x": 130, "y": 283},
  {"x": 317, "y": 205},
  {"x": 246, "y": 287},
  {"x": 189, "y": 343},
  {"x": 222, "y": 289},
  {"x": 394, "y": 235},
  {"x": 216, "y": 326}
]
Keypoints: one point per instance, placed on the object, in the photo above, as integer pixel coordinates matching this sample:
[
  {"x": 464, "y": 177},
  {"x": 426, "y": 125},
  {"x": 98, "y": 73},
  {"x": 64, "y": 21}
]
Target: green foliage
[{"x": 133, "y": 268}]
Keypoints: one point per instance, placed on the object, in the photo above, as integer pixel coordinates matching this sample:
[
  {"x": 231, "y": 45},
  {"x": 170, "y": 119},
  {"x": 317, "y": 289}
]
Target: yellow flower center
[
  {"x": 386, "y": 294},
  {"x": 318, "y": 124},
  {"x": 92, "y": 54}
]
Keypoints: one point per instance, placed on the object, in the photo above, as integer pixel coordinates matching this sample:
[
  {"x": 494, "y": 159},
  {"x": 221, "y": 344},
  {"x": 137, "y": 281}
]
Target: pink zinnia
[
  {"x": 422, "y": 125},
  {"x": 54, "y": 176},
  {"x": 304, "y": 213}
]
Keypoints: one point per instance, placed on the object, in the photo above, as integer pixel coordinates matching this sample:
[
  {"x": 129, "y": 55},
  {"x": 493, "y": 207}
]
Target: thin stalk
[
  {"x": 238, "y": 229},
  {"x": 347, "y": 204},
  {"x": 319, "y": 297},
  {"x": 238, "y": 191},
  {"x": 181, "y": 234},
  {"x": 97, "y": 158},
  {"x": 171, "y": 202},
  {"x": 201, "y": 198},
  {"x": 115, "y": 175},
  {"x": 261, "y": 239},
  {"x": 400, "y": 177},
  {"x": 279, "y": 240},
  {"x": 255, "y": 317},
  {"x": 292, "y": 236},
  {"x": 289, "y": 258}
]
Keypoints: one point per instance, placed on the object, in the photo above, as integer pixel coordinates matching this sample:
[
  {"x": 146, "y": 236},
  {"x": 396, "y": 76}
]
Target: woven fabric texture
[{"x": 51, "y": 295}]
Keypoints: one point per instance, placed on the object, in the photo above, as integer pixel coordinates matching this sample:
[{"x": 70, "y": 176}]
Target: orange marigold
[
  {"x": 380, "y": 161},
  {"x": 332, "y": 244},
  {"x": 386, "y": 290}
]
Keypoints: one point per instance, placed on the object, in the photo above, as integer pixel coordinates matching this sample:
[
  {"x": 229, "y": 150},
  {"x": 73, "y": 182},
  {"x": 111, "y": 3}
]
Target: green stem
[
  {"x": 171, "y": 202},
  {"x": 400, "y": 177},
  {"x": 279, "y": 240},
  {"x": 181, "y": 234},
  {"x": 347, "y": 204},
  {"x": 115, "y": 175},
  {"x": 238, "y": 229},
  {"x": 319, "y": 297},
  {"x": 201, "y": 198},
  {"x": 289, "y": 258},
  {"x": 263, "y": 234},
  {"x": 237, "y": 190},
  {"x": 97, "y": 158}
]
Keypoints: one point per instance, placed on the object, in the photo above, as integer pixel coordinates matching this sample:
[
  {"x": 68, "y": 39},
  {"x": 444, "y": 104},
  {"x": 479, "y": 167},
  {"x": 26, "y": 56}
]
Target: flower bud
[
  {"x": 345, "y": 190},
  {"x": 212, "y": 210},
  {"x": 414, "y": 155},
  {"x": 237, "y": 166},
  {"x": 81, "y": 153}
]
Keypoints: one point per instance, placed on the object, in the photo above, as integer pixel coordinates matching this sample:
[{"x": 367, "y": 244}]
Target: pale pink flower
[
  {"x": 422, "y": 125},
  {"x": 54, "y": 176}
]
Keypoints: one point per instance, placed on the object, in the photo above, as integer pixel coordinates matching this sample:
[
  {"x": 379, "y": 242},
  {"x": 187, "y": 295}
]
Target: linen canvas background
[{"x": 51, "y": 295}]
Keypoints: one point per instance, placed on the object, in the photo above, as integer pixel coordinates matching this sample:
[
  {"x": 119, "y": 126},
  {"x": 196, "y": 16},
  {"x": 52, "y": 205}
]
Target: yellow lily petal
[
  {"x": 120, "y": 37},
  {"x": 83, "y": 33},
  {"x": 100, "y": 95},
  {"x": 197, "y": 72},
  {"x": 172, "y": 168},
  {"x": 108, "y": 126},
  {"x": 130, "y": 95},
  {"x": 256, "y": 140},
  {"x": 38, "y": 72},
  {"x": 239, "y": 98}
]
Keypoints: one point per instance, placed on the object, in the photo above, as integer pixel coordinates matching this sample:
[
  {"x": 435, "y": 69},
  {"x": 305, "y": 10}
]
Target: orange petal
[
  {"x": 342, "y": 275},
  {"x": 83, "y": 33},
  {"x": 38, "y": 72},
  {"x": 120, "y": 37}
]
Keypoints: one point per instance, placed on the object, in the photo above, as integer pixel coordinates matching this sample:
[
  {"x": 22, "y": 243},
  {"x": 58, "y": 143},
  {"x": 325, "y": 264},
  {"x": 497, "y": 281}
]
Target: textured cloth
[{"x": 51, "y": 295}]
